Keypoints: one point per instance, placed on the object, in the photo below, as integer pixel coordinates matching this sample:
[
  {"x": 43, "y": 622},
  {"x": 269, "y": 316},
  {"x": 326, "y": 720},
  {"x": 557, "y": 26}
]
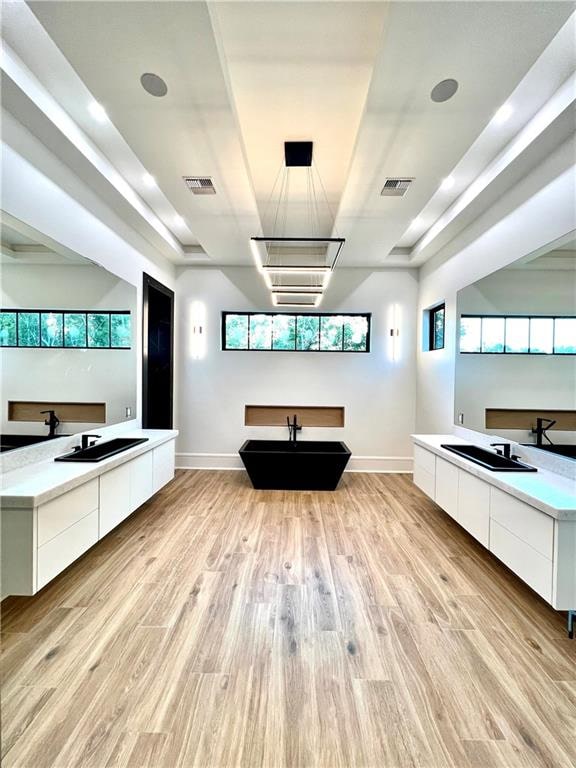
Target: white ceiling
[{"x": 354, "y": 77}]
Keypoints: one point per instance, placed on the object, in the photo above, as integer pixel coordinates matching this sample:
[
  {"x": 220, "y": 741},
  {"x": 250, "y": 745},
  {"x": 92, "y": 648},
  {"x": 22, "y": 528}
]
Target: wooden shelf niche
[
  {"x": 307, "y": 415},
  {"x": 525, "y": 418},
  {"x": 82, "y": 413}
]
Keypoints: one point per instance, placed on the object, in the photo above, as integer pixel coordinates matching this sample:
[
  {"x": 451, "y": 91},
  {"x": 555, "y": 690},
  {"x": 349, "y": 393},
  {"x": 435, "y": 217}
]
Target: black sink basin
[
  {"x": 489, "y": 459},
  {"x": 559, "y": 450},
  {"x": 103, "y": 451}
]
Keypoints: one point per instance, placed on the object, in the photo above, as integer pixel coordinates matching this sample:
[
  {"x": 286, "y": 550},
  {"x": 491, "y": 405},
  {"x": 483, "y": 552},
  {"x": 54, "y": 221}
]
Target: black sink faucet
[
  {"x": 506, "y": 448},
  {"x": 86, "y": 441},
  {"x": 293, "y": 429},
  {"x": 52, "y": 422},
  {"x": 542, "y": 426}
]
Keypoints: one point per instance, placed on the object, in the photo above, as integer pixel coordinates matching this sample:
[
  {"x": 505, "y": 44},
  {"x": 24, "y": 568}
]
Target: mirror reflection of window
[
  {"x": 541, "y": 335},
  {"x": 517, "y": 335},
  {"x": 493, "y": 334},
  {"x": 470, "y": 334},
  {"x": 565, "y": 336}
]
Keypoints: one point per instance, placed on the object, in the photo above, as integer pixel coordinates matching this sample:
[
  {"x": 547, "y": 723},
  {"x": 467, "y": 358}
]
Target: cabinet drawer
[
  {"x": 425, "y": 459},
  {"x": 474, "y": 506},
  {"x": 60, "y": 513},
  {"x": 531, "y": 566},
  {"x": 447, "y": 487},
  {"x": 62, "y": 550},
  {"x": 528, "y": 524},
  {"x": 141, "y": 470},
  {"x": 114, "y": 498},
  {"x": 424, "y": 480},
  {"x": 163, "y": 458}
]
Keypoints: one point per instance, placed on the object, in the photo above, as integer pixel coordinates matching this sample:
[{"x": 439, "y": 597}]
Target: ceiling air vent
[
  {"x": 200, "y": 185},
  {"x": 396, "y": 187}
]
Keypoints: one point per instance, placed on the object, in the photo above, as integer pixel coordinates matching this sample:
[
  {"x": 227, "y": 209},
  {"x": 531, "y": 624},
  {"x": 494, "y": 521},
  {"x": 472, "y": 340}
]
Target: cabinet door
[
  {"x": 424, "y": 470},
  {"x": 447, "y": 487},
  {"x": 141, "y": 471},
  {"x": 163, "y": 465},
  {"x": 474, "y": 506},
  {"x": 114, "y": 498},
  {"x": 528, "y": 524},
  {"x": 527, "y": 563}
]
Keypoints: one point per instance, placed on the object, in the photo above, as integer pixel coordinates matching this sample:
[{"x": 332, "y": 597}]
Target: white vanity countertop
[
  {"x": 37, "y": 483},
  {"x": 547, "y": 491}
]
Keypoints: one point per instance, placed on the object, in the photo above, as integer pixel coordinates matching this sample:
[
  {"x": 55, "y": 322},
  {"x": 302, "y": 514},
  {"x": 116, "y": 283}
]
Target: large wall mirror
[
  {"x": 516, "y": 349},
  {"x": 67, "y": 336}
]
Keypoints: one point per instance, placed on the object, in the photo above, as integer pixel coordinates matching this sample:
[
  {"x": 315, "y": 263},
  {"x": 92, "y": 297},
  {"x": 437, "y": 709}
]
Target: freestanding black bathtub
[{"x": 304, "y": 466}]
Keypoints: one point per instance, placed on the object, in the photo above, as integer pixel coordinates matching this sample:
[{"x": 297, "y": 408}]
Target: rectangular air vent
[
  {"x": 200, "y": 185},
  {"x": 396, "y": 187}
]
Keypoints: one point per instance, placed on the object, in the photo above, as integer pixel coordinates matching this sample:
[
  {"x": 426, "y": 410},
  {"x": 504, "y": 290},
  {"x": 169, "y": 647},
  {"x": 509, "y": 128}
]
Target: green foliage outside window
[
  {"x": 57, "y": 329},
  {"x": 269, "y": 331}
]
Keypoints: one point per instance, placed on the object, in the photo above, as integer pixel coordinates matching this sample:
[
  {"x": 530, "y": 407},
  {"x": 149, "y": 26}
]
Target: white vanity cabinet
[
  {"x": 41, "y": 540},
  {"x": 536, "y": 546}
]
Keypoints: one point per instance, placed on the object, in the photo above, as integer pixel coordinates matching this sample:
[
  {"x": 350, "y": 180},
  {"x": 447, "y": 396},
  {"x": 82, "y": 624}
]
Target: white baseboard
[{"x": 232, "y": 461}]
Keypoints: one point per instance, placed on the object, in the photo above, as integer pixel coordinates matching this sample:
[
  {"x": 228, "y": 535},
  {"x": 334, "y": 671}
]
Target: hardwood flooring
[{"x": 222, "y": 626}]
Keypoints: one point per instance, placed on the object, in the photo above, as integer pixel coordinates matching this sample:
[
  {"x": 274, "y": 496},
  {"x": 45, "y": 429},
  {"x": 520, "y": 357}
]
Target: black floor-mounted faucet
[
  {"x": 541, "y": 430},
  {"x": 52, "y": 422},
  {"x": 293, "y": 429}
]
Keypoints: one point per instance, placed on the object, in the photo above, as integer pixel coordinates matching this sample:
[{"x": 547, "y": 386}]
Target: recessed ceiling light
[
  {"x": 153, "y": 84},
  {"x": 503, "y": 113},
  {"x": 179, "y": 221},
  {"x": 447, "y": 183},
  {"x": 98, "y": 112},
  {"x": 444, "y": 90},
  {"x": 148, "y": 180}
]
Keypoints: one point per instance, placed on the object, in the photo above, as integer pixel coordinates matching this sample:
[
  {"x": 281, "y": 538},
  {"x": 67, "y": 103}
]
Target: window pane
[
  {"x": 438, "y": 319},
  {"x": 470, "y": 334},
  {"x": 8, "y": 329},
  {"x": 260, "y": 332},
  {"x": 493, "y": 334},
  {"x": 28, "y": 329},
  {"x": 75, "y": 329},
  {"x": 541, "y": 335},
  {"x": 565, "y": 335},
  {"x": 331, "y": 333},
  {"x": 355, "y": 334},
  {"x": 307, "y": 331},
  {"x": 284, "y": 332},
  {"x": 51, "y": 329},
  {"x": 517, "y": 334},
  {"x": 236, "y": 332},
  {"x": 98, "y": 329},
  {"x": 120, "y": 331}
]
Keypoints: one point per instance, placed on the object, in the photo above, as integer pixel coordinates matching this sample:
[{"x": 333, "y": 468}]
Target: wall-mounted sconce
[
  {"x": 197, "y": 330},
  {"x": 394, "y": 323}
]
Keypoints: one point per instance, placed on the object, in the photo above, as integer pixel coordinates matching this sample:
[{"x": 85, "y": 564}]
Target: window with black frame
[
  {"x": 73, "y": 329},
  {"x": 436, "y": 325},
  {"x": 295, "y": 332},
  {"x": 517, "y": 335}
]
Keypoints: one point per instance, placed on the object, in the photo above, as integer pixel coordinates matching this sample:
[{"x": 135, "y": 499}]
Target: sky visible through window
[{"x": 518, "y": 335}]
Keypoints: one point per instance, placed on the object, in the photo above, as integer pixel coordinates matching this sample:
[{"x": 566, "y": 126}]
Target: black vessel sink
[
  {"x": 103, "y": 451},
  {"x": 488, "y": 459},
  {"x": 10, "y": 442},
  {"x": 559, "y": 450}
]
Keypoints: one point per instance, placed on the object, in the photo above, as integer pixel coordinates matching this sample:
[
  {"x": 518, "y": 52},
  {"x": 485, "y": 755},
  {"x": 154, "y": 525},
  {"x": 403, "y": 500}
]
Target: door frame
[{"x": 150, "y": 282}]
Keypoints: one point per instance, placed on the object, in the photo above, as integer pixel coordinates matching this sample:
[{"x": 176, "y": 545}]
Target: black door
[{"x": 157, "y": 355}]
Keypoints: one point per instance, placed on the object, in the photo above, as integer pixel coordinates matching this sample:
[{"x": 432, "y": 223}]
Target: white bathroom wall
[
  {"x": 61, "y": 375},
  {"x": 516, "y": 381},
  {"x": 377, "y": 391},
  {"x": 537, "y": 212}
]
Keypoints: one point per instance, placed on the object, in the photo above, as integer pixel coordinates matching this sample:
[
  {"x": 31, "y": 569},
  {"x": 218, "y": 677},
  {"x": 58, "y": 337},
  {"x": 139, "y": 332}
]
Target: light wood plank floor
[{"x": 222, "y": 626}]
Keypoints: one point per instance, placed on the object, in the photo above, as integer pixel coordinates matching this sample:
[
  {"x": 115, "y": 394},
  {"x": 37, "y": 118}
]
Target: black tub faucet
[
  {"x": 542, "y": 426},
  {"x": 293, "y": 429},
  {"x": 52, "y": 422}
]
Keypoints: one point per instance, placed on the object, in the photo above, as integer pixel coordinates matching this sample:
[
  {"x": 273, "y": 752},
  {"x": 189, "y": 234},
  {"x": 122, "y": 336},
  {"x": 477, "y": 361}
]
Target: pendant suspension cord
[
  {"x": 316, "y": 209},
  {"x": 278, "y": 213},
  {"x": 286, "y": 202},
  {"x": 332, "y": 214},
  {"x": 269, "y": 201}
]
